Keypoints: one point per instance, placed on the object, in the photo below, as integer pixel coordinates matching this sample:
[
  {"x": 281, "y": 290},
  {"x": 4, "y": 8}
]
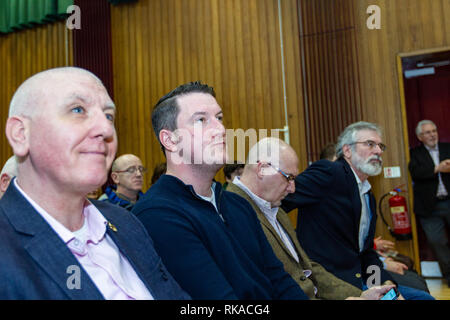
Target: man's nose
[
  {"x": 102, "y": 126},
  {"x": 218, "y": 126},
  {"x": 378, "y": 150}
]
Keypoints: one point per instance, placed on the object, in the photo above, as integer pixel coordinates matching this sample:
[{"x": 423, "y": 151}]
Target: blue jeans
[
  {"x": 411, "y": 293},
  {"x": 414, "y": 294}
]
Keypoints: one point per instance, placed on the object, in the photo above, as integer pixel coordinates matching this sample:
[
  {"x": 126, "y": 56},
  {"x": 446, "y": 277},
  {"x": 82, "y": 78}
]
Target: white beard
[{"x": 365, "y": 166}]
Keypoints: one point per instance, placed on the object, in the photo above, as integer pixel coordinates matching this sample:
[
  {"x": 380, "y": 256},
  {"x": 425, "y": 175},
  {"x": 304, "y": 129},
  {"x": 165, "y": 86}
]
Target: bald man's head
[
  {"x": 61, "y": 129},
  {"x": 127, "y": 174},
  {"x": 28, "y": 98},
  {"x": 271, "y": 167}
]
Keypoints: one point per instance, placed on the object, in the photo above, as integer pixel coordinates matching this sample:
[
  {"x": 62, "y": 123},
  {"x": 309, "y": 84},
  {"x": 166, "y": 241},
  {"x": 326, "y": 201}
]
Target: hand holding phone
[{"x": 392, "y": 294}]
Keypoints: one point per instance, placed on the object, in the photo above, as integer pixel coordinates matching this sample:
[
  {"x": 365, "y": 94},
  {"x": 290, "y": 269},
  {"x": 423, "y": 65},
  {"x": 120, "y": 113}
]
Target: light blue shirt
[{"x": 364, "y": 223}]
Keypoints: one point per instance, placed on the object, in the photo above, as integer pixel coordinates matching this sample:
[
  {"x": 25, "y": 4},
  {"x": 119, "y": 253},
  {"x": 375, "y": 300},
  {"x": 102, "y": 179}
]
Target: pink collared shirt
[{"x": 99, "y": 256}]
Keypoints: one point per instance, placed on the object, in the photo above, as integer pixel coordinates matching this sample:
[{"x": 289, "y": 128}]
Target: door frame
[{"x": 400, "y": 56}]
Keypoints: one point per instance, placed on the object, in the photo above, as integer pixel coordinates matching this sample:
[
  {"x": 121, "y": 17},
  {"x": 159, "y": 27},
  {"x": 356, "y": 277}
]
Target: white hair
[
  {"x": 10, "y": 167},
  {"x": 421, "y": 123},
  {"x": 30, "y": 91},
  {"x": 348, "y": 136}
]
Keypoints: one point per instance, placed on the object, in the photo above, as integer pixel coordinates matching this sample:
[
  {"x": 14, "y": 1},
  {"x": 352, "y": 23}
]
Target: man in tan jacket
[{"x": 267, "y": 178}]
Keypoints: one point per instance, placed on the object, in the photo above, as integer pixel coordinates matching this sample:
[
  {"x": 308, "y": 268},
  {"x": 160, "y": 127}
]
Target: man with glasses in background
[
  {"x": 337, "y": 210},
  {"x": 127, "y": 175},
  {"x": 430, "y": 172}
]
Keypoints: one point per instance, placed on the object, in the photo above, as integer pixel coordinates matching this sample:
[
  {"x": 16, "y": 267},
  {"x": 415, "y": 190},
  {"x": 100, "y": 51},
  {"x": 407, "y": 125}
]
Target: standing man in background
[{"x": 430, "y": 171}]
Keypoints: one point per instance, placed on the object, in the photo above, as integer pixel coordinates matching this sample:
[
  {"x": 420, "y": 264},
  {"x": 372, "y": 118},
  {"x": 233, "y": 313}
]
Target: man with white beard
[{"x": 337, "y": 210}]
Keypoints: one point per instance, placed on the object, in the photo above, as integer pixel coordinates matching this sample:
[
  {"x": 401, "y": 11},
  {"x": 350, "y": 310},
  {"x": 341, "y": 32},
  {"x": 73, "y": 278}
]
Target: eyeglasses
[
  {"x": 429, "y": 132},
  {"x": 289, "y": 177},
  {"x": 371, "y": 144},
  {"x": 132, "y": 170}
]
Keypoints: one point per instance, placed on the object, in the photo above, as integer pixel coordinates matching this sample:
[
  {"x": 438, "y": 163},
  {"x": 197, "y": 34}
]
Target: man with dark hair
[
  {"x": 230, "y": 171},
  {"x": 337, "y": 210},
  {"x": 210, "y": 239},
  {"x": 165, "y": 113},
  {"x": 430, "y": 172},
  {"x": 159, "y": 170},
  {"x": 328, "y": 152}
]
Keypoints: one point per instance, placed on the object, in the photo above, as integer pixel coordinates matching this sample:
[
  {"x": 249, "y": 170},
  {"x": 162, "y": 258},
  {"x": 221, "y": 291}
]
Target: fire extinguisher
[{"x": 399, "y": 214}]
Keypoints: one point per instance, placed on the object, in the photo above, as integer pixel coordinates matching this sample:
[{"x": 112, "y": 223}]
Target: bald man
[
  {"x": 127, "y": 174},
  {"x": 57, "y": 244},
  {"x": 9, "y": 171},
  {"x": 267, "y": 178}
]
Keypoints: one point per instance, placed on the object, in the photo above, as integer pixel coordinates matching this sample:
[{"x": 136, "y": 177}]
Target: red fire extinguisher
[{"x": 399, "y": 214}]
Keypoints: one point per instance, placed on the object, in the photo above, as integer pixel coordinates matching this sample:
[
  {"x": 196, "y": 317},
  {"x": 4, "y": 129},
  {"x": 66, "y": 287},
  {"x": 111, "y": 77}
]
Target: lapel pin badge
[{"x": 112, "y": 227}]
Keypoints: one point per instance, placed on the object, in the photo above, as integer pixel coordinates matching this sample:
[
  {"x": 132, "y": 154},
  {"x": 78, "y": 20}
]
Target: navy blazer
[
  {"x": 35, "y": 262},
  {"x": 425, "y": 181},
  {"x": 327, "y": 197}
]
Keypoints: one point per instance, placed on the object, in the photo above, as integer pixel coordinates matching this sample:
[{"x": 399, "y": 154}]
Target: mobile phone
[{"x": 392, "y": 294}]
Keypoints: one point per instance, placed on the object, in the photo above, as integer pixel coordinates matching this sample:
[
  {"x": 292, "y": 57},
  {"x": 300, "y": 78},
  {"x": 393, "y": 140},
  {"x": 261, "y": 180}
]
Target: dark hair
[
  {"x": 228, "y": 169},
  {"x": 165, "y": 112},
  {"x": 159, "y": 170},
  {"x": 328, "y": 152}
]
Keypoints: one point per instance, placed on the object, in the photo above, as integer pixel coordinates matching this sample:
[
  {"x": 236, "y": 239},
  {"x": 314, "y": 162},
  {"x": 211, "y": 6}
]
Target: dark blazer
[
  {"x": 34, "y": 261},
  {"x": 425, "y": 181},
  {"x": 328, "y": 286},
  {"x": 327, "y": 197}
]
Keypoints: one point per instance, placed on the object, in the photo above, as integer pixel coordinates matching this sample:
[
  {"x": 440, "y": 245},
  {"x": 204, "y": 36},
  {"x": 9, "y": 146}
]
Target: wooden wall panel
[
  {"x": 232, "y": 45},
  {"x": 23, "y": 54},
  {"x": 332, "y": 98}
]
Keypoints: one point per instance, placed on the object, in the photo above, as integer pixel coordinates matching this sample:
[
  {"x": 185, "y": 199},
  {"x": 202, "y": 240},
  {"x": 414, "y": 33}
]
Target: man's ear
[
  {"x": 420, "y": 137},
  {"x": 260, "y": 167},
  {"x": 115, "y": 177},
  {"x": 347, "y": 151},
  {"x": 17, "y": 132},
  {"x": 4, "y": 182},
  {"x": 169, "y": 140}
]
